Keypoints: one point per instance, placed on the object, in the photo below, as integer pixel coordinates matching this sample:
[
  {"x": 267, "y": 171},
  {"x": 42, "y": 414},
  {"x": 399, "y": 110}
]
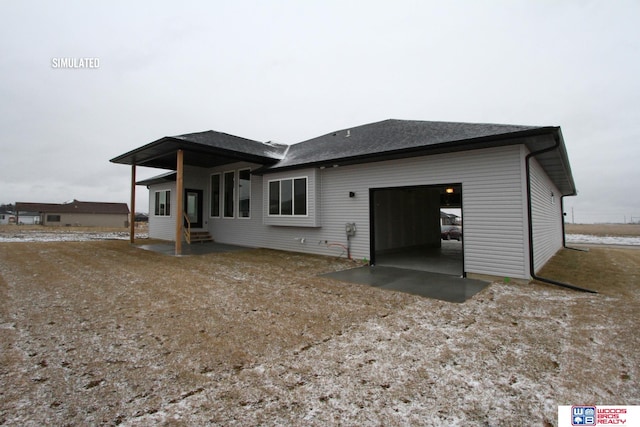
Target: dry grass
[
  {"x": 618, "y": 230},
  {"x": 104, "y": 333},
  {"x": 610, "y": 271}
]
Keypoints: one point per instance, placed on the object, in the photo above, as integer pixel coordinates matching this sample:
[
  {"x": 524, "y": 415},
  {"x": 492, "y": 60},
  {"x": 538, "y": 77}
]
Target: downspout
[
  {"x": 564, "y": 240},
  {"x": 530, "y": 219}
]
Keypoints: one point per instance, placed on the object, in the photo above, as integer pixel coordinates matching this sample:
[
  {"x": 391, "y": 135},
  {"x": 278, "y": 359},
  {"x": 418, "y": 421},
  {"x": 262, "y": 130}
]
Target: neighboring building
[
  {"x": 141, "y": 217},
  {"x": 10, "y": 216},
  {"x": 371, "y": 190},
  {"x": 449, "y": 219},
  {"x": 7, "y": 216},
  {"x": 76, "y": 213},
  {"x": 27, "y": 218}
]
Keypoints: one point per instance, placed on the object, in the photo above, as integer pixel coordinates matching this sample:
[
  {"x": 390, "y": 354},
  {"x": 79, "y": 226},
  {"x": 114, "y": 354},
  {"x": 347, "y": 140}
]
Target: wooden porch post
[
  {"x": 179, "y": 203},
  {"x": 132, "y": 219}
]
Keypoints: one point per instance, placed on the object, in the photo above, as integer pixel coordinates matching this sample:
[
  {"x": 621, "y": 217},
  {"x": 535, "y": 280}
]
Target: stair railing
[{"x": 187, "y": 229}]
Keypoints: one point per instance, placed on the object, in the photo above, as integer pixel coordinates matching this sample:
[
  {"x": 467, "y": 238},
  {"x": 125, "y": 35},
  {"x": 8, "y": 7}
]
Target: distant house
[
  {"x": 76, "y": 213},
  {"x": 141, "y": 217},
  {"x": 369, "y": 190},
  {"x": 449, "y": 219},
  {"x": 11, "y": 216},
  {"x": 7, "y": 216},
  {"x": 27, "y": 218}
]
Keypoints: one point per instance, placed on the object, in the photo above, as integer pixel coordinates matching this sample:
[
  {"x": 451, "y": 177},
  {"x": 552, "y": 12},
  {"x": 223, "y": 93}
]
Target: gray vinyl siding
[
  {"x": 250, "y": 232},
  {"x": 162, "y": 227},
  {"x": 494, "y": 207},
  {"x": 312, "y": 218},
  {"x": 546, "y": 215},
  {"x": 493, "y": 202}
]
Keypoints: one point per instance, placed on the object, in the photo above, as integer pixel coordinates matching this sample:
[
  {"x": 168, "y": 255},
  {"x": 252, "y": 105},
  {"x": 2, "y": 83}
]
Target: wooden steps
[{"x": 200, "y": 237}]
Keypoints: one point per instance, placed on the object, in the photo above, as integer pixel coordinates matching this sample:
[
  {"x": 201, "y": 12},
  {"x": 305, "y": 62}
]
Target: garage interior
[{"x": 407, "y": 228}]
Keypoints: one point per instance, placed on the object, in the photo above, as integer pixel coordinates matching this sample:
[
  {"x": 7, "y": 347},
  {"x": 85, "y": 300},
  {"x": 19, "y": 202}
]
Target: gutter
[{"x": 530, "y": 220}]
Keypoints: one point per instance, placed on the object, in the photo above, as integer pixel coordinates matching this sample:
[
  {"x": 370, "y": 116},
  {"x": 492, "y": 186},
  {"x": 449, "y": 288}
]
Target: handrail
[{"x": 187, "y": 229}]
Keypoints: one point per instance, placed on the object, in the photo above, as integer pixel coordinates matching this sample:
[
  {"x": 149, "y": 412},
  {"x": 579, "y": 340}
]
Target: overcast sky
[{"x": 287, "y": 71}]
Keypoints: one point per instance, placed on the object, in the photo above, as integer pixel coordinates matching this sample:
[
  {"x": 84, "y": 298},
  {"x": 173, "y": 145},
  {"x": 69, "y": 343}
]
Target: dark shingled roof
[
  {"x": 392, "y": 137},
  {"x": 384, "y": 140},
  {"x": 159, "y": 179},
  {"x": 205, "y": 149},
  {"x": 74, "y": 207}
]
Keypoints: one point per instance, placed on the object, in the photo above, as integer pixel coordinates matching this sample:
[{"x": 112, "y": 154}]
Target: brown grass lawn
[
  {"x": 620, "y": 230},
  {"x": 104, "y": 333}
]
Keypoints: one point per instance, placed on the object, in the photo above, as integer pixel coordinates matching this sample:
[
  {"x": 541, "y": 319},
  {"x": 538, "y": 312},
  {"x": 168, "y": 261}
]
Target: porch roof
[
  {"x": 159, "y": 179},
  {"x": 204, "y": 149}
]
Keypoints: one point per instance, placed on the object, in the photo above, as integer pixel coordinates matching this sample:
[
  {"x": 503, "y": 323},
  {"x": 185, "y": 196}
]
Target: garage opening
[{"x": 418, "y": 227}]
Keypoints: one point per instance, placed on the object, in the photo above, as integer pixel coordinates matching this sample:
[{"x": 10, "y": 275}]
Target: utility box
[{"x": 350, "y": 229}]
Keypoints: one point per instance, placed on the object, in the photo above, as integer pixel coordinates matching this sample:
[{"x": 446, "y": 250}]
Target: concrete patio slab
[
  {"x": 193, "y": 249},
  {"x": 427, "y": 284}
]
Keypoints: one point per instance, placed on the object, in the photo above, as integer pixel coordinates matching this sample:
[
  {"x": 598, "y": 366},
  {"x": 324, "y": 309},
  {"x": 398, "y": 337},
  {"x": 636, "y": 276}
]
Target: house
[
  {"x": 77, "y": 213},
  {"x": 449, "y": 219},
  {"x": 26, "y": 218},
  {"x": 368, "y": 191},
  {"x": 7, "y": 216}
]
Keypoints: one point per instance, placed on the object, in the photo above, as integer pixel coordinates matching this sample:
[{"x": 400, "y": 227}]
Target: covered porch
[{"x": 203, "y": 149}]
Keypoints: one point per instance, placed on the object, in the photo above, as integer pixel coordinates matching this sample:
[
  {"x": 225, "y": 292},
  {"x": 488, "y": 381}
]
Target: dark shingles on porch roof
[
  {"x": 159, "y": 179},
  {"x": 226, "y": 141},
  {"x": 205, "y": 149},
  {"x": 391, "y": 136}
]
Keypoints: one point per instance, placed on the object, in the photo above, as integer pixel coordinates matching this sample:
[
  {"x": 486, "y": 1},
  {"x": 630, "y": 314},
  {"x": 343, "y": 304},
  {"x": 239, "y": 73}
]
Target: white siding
[
  {"x": 493, "y": 203},
  {"x": 239, "y": 231},
  {"x": 494, "y": 207},
  {"x": 162, "y": 227},
  {"x": 546, "y": 216}
]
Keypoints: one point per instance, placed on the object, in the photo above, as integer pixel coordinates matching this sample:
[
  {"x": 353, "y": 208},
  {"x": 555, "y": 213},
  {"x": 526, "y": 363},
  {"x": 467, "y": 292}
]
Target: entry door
[{"x": 193, "y": 207}]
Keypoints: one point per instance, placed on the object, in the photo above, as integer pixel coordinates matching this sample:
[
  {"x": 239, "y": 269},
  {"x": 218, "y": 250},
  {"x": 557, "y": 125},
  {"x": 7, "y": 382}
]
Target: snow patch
[
  {"x": 603, "y": 240},
  {"x": 67, "y": 236}
]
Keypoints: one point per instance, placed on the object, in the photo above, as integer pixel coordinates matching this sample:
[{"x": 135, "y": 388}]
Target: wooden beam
[
  {"x": 132, "y": 219},
  {"x": 179, "y": 203}
]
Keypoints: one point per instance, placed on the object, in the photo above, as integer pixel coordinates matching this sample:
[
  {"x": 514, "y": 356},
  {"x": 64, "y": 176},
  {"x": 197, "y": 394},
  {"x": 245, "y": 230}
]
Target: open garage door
[{"x": 418, "y": 227}]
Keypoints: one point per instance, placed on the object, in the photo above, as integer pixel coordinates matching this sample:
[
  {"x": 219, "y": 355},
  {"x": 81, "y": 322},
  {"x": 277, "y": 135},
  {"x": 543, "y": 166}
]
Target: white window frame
[
  {"x": 293, "y": 198},
  {"x": 156, "y": 208}
]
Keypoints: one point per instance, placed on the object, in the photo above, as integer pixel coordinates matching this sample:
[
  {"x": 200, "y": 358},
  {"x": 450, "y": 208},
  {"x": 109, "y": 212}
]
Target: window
[
  {"x": 215, "y": 195},
  {"x": 53, "y": 218},
  {"x": 244, "y": 193},
  {"x": 274, "y": 198},
  {"x": 163, "y": 203},
  {"x": 288, "y": 197},
  {"x": 300, "y": 196},
  {"x": 229, "y": 184}
]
